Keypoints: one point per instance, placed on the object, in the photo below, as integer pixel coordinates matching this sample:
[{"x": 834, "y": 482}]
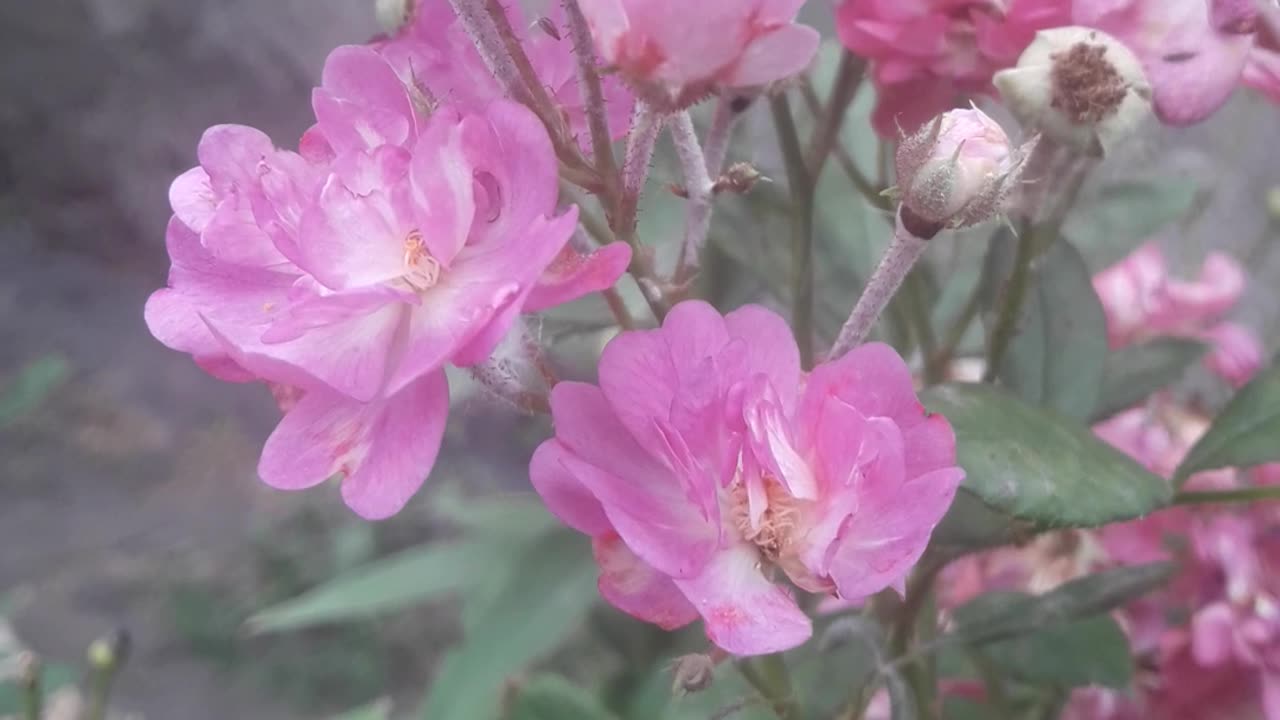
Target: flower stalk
[
  {"x": 801, "y": 185},
  {"x": 698, "y": 186},
  {"x": 903, "y": 252}
]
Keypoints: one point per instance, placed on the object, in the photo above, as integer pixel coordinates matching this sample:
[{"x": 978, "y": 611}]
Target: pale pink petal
[
  {"x": 873, "y": 378},
  {"x": 775, "y": 56},
  {"x": 361, "y": 102},
  {"x": 929, "y": 446},
  {"x": 563, "y": 495},
  {"x": 443, "y": 188},
  {"x": 233, "y": 235},
  {"x": 515, "y": 167},
  {"x": 352, "y": 241},
  {"x": 634, "y": 587},
  {"x": 644, "y": 502},
  {"x": 771, "y": 349},
  {"x": 1236, "y": 354},
  {"x": 230, "y": 155},
  {"x": 1219, "y": 286},
  {"x": 384, "y": 449},
  {"x": 1213, "y": 634},
  {"x": 192, "y": 198},
  {"x": 771, "y": 441},
  {"x": 572, "y": 275},
  {"x": 350, "y": 356},
  {"x": 890, "y": 531},
  {"x": 745, "y": 613}
]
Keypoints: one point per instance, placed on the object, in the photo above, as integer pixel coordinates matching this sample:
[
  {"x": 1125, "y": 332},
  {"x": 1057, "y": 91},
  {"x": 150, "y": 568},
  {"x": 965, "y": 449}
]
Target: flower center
[
  {"x": 773, "y": 531},
  {"x": 421, "y": 270}
]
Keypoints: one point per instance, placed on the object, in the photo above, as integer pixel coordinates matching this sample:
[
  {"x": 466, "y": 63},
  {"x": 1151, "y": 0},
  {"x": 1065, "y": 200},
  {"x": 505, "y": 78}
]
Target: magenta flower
[
  {"x": 932, "y": 55},
  {"x": 706, "y": 461},
  {"x": 403, "y": 239},
  {"x": 1141, "y": 301},
  {"x": 1193, "y": 52},
  {"x": 1262, "y": 69},
  {"x": 675, "y": 53}
]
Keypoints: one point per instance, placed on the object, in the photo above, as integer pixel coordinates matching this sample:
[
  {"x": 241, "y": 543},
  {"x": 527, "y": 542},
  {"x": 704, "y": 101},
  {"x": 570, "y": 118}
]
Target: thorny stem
[
  {"x": 1242, "y": 495},
  {"x": 593, "y": 97},
  {"x": 899, "y": 257},
  {"x": 768, "y": 675},
  {"x": 645, "y": 125},
  {"x": 490, "y": 46},
  {"x": 800, "y": 182},
  {"x": 698, "y": 185},
  {"x": 533, "y": 88}
]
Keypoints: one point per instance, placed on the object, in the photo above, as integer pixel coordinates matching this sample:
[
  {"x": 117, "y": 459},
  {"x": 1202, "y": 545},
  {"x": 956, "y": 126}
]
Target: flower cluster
[
  {"x": 414, "y": 225},
  {"x": 706, "y": 462},
  {"x": 1142, "y": 300}
]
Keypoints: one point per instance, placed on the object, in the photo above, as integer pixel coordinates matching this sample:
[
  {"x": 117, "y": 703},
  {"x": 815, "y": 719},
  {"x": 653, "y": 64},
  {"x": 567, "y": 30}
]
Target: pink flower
[
  {"x": 959, "y": 169},
  {"x": 1262, "y": 69},
  {"x": 930, "y": 55},
  {"x": 1141, "y": 301},
  {"x": 1235, "y": 353},
  {"x": 433, "y": 51},
  {"x": 404, "y": 238},
  {"x": 1192, "y": 51},
  {"x": 674, "y": 53},
  {"x": 706, "y": 458}
]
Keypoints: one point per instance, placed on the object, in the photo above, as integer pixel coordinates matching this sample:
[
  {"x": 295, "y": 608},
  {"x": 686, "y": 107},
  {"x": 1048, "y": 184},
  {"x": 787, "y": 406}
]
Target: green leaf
[
  {"x": 728, "y": 697},
  {"x": 1039, "y": 466},
  {"x": 551, "y": 697},
  {"x": 545, "y": 597},
  {"x": 842, "y": 664},
  {"x": 1092, "y": 651},
  {"x": 34, "y": 383},
  {"x": 971, "y": 524},
  {"x": 997, "y": 616},
  {"x": 1113, "y": 221},
  {"x": 514, "y": 515},
  {"x": 1246, "y": 432},
  {"x": 902, "y": 701},
  {"x": 1134, "y": 372},
  {"x": 408, "y": 578},
  {"x": 1057, "y": 356}
]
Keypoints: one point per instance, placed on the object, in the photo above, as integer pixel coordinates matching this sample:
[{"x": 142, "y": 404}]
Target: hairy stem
[
  {"x": 645, "y": 126},
  {"x": 720, "y": 134},
  {"x": 698, "y": 185},
  {"x": 593, "y": 99},
  {"x": 475, "y": 21},
  {"x": 801, "y": 185},
  {"x": 899, "y": 257}
]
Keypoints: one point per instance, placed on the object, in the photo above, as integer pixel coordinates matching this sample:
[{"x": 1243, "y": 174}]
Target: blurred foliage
[{"x": 32, "y": 386}]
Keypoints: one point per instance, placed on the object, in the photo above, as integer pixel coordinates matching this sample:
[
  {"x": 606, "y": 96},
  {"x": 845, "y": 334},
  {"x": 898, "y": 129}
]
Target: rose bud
[{"x": 956, "y": 171}]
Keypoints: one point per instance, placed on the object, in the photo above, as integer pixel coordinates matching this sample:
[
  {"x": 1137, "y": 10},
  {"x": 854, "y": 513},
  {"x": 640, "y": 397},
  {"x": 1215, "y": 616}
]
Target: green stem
[
  {"x": 848, "y": 78},
  {"x": 768, "y": 675},
  {"x": 32, "y": 690},
  {"x": 1011, "y": 309},
  {"x": 917, "y": 306},
  {"x": 997, "y": 698},
  {"x": 936, "y": 366},
  {"x": 801, "y": 185},
  {"x": 905, "y": 626},
  {"x": 1243, "y": 495}
]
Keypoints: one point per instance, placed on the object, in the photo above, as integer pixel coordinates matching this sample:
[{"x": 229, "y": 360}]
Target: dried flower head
[{"x": 1077, "y": 86}]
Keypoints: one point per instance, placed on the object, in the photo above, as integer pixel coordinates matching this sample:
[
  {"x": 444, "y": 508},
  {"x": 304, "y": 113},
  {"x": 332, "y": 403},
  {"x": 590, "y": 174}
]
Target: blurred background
[{"x": 128, "y": 497}]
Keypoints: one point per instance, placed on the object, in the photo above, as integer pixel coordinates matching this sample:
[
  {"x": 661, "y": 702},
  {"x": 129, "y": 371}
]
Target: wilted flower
[
  {"x": 706, "y": 461},
  {"x": 1193, "y": 52},
  {"x": 958, "y": 170},
  {"x": 675, "y": 53},
  {"x": 928, "y": 56},
  {"x": 1142, "y": 301},
  {"x": 1079, "y": 87}
]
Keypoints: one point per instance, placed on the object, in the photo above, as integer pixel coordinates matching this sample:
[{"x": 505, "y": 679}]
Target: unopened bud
[
  {"x": 393, "y": 14},
  {"x": 693, "y": 673},
  {"x": 738, "y": 178},
  {"x": 956, "y": 171},
  {"x": 1079, "y": 87}
]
